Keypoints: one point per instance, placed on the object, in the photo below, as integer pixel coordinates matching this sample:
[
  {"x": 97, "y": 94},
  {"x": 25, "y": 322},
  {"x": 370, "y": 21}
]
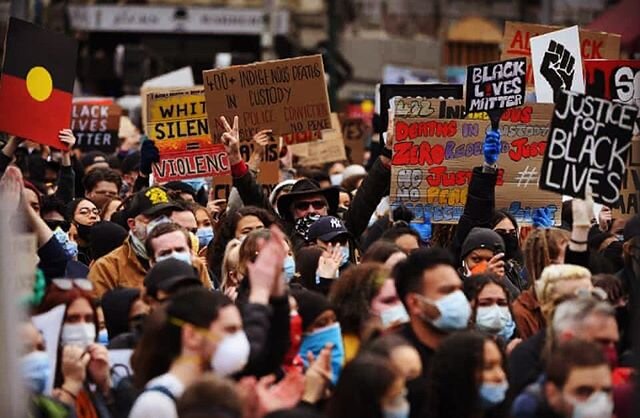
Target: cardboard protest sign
[
  {"x": 494, "y": 87},
  {"x": 36, "y": 87},
  {"x": 95, "y": 124},
  {"x": 176, "y": 120},
  {"x": 630, "y": 194},
  {"x": 588, "y": 146},
  {"x": 355, "y": 132},
  {"x": 617, "y": 80},
  {"x": 557, "y": 64},
  {"x": 287, "y": 96},
  {"x": 593, "y": 45},
  {"x": 433, "y": 160},
  {"x": 428, "y": 91},
  {"x": 328, "y": 149}
]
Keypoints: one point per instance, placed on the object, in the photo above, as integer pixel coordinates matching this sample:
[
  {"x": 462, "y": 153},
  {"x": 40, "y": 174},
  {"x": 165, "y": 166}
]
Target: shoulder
[{"x": 154, "y": 404}]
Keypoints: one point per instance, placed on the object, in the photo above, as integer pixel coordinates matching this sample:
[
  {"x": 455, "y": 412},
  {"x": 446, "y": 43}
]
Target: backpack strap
[{"x": 163, "y": 390}]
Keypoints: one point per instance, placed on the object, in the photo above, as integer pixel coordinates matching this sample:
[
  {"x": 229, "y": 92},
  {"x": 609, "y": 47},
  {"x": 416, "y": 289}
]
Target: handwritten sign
[
  {"x": 176, "y": 120},
  {"x": 629, "y": 205},
  {"x": 588, "y": 145},
  {"x": 433, "y": 161},
  {"x": 355, "y": 132},
  {"x": 593, "y": 45},
  {"x": 328, "y": 149},
  {"x": 557, "y": 64},
  {"x": 288, "y": 96},
  {"x": 496, "y": 86},
  {"x": 95, "y": 124},
  {"x": 617, "y": 80}
]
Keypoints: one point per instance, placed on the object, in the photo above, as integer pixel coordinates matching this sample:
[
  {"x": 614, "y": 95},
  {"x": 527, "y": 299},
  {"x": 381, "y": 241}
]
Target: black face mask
[
  {"x": 511, "y": 245},
  {"x": 84, "y": 232},
  {"x": 53, "y": 224}
]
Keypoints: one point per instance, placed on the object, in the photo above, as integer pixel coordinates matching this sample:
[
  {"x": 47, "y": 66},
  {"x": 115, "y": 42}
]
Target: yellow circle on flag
[{"x": 39, "y": 83}]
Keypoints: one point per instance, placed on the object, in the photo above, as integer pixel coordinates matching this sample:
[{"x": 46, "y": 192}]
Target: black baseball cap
[
  {"x": 482, "y": 238},
  {"x": 93, "y": 157},
  {"x": 168, "y": 274},
  {"x": 327, "y": 228},
  {"x": 151, "y": 202}
]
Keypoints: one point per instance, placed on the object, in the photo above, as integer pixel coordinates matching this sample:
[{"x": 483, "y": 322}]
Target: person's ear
[
  {"x": 413, "y": 304},
  {"x": 191, "y": 338},
  {"x": 553, "y": 395},
  {"x": 132, "y": 223}
]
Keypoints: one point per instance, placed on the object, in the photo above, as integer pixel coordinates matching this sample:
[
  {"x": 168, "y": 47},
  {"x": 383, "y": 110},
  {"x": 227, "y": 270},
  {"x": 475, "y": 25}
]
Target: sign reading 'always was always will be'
[
  {"x": 287, "y": 96},
  {"x": 588, "y": 146}
]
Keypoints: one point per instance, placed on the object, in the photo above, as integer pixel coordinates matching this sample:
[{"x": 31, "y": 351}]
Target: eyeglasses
[
  {"x": 89, "y": 211},
  {"x": 68, "y": 284},
  {"x": 305, "y": 204}
]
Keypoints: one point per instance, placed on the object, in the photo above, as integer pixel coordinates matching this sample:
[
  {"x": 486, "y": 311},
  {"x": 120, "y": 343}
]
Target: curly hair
[{"x": 352, "y": 294}]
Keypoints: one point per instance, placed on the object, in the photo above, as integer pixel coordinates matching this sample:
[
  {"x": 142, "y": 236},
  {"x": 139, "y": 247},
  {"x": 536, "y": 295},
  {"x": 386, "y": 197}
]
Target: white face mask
[
  {"x": 231, "y": 355},
  {"x": 598, "y": 405},
  {"x": 184, "y": 256},
  {"x": 336, "y": 179},
  {"x": 394, "y": 315},
  {"x": 82, "y": 335},
  {"x": 492, "y": 319}
]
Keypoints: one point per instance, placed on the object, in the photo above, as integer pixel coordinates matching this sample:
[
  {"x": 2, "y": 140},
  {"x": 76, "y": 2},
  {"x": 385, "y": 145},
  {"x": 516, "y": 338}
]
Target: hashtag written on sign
[{"x": 526, "y": 176}]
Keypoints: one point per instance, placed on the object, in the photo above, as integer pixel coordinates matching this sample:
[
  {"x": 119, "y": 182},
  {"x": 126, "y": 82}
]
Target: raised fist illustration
[{"x": 558, "y": 67}]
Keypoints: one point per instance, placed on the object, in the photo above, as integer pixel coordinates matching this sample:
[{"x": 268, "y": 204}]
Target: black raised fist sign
[{"x": 558, "y": 67}]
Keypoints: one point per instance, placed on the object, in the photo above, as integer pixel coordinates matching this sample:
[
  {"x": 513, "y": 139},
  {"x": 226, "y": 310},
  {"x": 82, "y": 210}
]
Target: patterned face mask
[{"x": 303, "y": 224}]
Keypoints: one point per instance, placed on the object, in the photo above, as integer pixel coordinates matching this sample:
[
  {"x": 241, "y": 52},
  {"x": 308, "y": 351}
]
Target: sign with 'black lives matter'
[
  {"x": 496, "y": 86},
  {"x": 588, "y": 147}
]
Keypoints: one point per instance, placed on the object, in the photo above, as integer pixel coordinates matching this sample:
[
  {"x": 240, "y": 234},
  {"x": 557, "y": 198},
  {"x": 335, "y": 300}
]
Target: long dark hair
[
  {"x": 453, "y": 388},
  {"x": 161, "y": 341},
  {"x": 362, "y": 385},
  {"x": 473, "y": 286}
]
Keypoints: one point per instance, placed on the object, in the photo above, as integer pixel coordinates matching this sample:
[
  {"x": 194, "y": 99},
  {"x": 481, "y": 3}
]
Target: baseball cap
[
  {"x": 482, "y": 238},
  {"x": 150, "y": 202},
  {"x": 168, "y": 274},
  {"x": 93, "y": 157},
  {"x": 327, "y": 228}
]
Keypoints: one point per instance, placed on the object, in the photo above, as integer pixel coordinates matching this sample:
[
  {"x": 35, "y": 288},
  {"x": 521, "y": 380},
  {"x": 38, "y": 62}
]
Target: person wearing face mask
[
  {"x": 431, "y": 291},
  {"x": 82, "y": 377},
  {"x": 370, "y": 386},
  {"x": 577, "y": 384},
  {"x": 491, "y": 308},
  {"x": 329, "y": 231},
  {"x": 505, "y": 225},
  {"x": 365, "y": 298},
  {"x": 83, "y": 215},
  {"x": 467, "y": 378},
  {"x": 199, "y": 331},
  {"x": 35, "y": 368}
]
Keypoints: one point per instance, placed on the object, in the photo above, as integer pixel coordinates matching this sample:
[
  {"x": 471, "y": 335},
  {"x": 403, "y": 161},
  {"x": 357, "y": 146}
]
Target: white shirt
[{"x": 157, "y": 404}]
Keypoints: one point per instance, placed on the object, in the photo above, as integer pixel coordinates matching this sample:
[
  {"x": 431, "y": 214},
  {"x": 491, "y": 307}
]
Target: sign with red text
[
  {"x": 588, "y": 147},
  {"x": 329, "y": 148},
  {"x": 433, "y": 160},
  {"x": 287, "y": 96},
  {"x": 176, "y": 120},
  {"x": 95, "y": 124},
  {"x": 593, "y": 45}
]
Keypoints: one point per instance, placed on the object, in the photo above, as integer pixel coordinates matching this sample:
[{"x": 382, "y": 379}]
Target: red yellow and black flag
[{"x": 36, "y": 87}]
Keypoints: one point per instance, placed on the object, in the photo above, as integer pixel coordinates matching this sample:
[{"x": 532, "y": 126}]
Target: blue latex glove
[
  {"x": 149, "y": 154},
  {"x": 491, "y": 147},
  {"x": 424, "y": 228},
  {"x": 542, "y": 218}
]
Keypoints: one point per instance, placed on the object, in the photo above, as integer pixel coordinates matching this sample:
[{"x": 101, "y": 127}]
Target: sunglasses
[
  {"x": 68, "y": 284},
  {"x": 305, "y": 204}
]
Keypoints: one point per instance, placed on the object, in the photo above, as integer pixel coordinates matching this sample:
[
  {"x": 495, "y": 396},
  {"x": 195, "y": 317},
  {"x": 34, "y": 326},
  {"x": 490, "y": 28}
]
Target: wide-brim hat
[{"x": 307, "y": 187}]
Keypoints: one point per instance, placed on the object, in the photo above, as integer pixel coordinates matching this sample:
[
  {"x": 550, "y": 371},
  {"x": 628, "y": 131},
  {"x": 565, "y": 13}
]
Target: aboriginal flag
[{"x": 36, "y": 88}]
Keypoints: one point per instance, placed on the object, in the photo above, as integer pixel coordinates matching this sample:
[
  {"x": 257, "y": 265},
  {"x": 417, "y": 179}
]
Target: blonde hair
[
  {"x": 541, "y": 247},
  {"x": 545, "y": 287},
  {"x": 230, "y": 260}
]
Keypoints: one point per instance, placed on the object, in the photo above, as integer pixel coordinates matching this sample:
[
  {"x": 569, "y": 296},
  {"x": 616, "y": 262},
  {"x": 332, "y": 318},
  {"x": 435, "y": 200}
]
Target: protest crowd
[{"x": 340, "y": 288}]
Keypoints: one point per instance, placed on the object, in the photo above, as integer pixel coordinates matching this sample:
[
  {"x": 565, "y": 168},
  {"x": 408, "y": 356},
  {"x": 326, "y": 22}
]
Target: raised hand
[
  {"x": 491, "y": 147},
  {"x": 318, "y": 375},
  {"x": 149, "y": 154},
  {"x": 496, "y": 265},
  {"x": 69, "y": 140},
  {"x": 329, "y": 262},
  {"x": 542, "y": 218},
  {"x": 558, "y": 67},
  {"x": 98, "y": 367},
  {"x": 267, "y": 270},
  {"x": 231, "y": 140}
]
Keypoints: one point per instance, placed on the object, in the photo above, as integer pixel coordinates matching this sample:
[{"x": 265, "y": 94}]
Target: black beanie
[
  {"x": 482, "y": 238},
  {"x": 310, "y": 305},
  {"x": 116, "y": 305},
  {"x": 105, "y": 237}
]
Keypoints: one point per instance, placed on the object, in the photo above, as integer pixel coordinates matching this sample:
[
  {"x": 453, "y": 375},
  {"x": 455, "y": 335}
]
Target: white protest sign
[
  {"x": 557, "y": 63},
  {"x": 49, "y": 324},
  {"x": 182, "y": 77}
]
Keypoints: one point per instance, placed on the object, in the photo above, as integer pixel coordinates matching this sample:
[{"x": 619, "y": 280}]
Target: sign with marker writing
[
  {"x": 95, "y": 124},
  {"x": 557, "y": 64},
  {"x": 355, "y": 132},
  {"x": 496, "y": 86},
  {"x": 630, "y": 194},
  {"x": 588, "y": 146},
  {"x": 617, "y": 80},
  {"x": 433, "y": 159},
  {"x": 329, "y": 148},
  {"x": 287, "y": 96},
  {"x": 176, "y": 120},
  {"x": 593, "y": 45}
]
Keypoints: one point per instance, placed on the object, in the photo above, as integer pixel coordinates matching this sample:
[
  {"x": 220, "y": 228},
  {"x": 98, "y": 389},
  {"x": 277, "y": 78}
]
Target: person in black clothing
[{"x": 431, "y": 290}]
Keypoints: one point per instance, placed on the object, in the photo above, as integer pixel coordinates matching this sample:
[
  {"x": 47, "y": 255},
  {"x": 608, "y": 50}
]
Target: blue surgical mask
[
  {"x": 36, "y": 370},
  {"x": 492, "y": 394},
  {"x": 400, "y": 408},
  {"x": 336, "y": 179},
  {"x": 289, "y": 268},
  {"x": 196, "y": 183},
  {"x": 394, "y": 315},
  {"x": 205, "y": 236},
  {"x": 345, "y": 255},
  {"x": 103, "y": 337},
  {"x": 317, "y": 340},
  {"x": 455, "y": 312},
  {"x": 184, "y": 256}
]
